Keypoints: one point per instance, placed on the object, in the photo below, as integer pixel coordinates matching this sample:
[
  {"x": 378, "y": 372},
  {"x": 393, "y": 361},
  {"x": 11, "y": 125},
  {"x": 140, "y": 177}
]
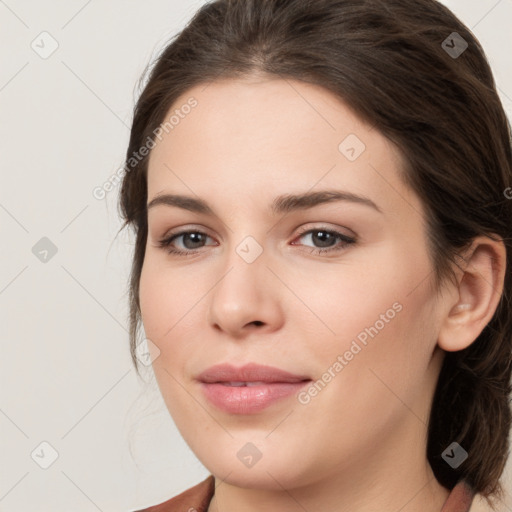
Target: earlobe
[{"x": 479, "y": 291}]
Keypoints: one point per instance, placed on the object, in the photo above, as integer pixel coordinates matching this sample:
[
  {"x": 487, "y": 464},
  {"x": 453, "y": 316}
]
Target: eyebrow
[{"x": 281, "y": 204}]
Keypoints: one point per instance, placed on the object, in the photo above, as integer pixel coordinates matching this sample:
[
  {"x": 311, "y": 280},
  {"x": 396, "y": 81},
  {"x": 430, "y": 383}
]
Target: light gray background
[{"x": 66, "y": 375}]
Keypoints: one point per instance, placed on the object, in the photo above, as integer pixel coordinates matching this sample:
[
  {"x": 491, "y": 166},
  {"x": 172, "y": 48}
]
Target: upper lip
[{"x": 250, "y": 372}]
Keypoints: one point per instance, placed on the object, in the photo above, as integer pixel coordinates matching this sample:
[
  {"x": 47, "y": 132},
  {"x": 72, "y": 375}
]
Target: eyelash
[{"x": 346, "y": 241}]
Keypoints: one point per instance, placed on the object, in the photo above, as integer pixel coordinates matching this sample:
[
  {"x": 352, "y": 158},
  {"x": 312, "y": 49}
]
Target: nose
[{"x": 246, "y": 297}]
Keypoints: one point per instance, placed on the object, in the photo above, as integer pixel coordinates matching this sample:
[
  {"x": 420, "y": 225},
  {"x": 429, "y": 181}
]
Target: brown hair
[{"x": 393, "y": 63}]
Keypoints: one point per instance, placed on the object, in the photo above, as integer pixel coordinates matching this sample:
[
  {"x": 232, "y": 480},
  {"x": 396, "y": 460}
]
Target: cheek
[
  {"x": 165, "y": 298},
  {"x": 340, "y": 303},
  {"x": 171, "y": 308},
  {"x": 152, "y": 302},
  {"x": 164, "y": 316},
  {"x": 374, "y": 387},
  {"x": 381, "y": 321}
]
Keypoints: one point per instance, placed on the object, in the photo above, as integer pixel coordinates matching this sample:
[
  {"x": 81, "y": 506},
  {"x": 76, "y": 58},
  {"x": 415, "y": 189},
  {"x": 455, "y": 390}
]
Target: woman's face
[{"x": 251, "y": 286}]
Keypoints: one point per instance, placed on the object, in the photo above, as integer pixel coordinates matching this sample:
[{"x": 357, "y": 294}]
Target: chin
[{"x": 270, "y": 473}]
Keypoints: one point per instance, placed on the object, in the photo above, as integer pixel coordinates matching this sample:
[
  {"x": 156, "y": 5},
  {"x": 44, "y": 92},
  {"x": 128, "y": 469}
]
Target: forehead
[
  {"x": 259, "y": 113},
  {"x": 250, "y": 136}
]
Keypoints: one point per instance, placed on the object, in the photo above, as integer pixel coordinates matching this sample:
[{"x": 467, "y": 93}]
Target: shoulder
[{"x": 194, "y": 499}]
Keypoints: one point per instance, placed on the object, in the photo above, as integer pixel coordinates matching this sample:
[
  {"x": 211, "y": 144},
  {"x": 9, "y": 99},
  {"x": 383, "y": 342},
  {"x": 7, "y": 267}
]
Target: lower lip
[{"x": 249, "y": 399}]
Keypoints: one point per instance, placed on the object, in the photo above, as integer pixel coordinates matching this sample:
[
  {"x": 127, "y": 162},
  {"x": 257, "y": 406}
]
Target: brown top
[{"x": 197, "y": 499}]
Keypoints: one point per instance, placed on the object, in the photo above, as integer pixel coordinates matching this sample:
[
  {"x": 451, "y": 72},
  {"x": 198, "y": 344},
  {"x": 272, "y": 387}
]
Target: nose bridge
[
  {"x": 244, "y": 267},
  {"x": 242, "y": 295}
]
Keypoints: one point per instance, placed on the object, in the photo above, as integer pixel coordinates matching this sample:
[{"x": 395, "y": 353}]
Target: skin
[{"x": 360, "y": 443}]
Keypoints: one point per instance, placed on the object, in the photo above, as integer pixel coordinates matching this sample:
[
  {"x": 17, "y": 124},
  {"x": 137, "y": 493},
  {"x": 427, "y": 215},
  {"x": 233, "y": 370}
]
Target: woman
[{"x": 322, "y": 259}]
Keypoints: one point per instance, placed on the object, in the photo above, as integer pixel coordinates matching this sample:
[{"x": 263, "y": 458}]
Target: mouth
[
  {"x": 249, "y": 389},
  {"x": 247, "y": 374},
  {"x": 248, "y": 384}
]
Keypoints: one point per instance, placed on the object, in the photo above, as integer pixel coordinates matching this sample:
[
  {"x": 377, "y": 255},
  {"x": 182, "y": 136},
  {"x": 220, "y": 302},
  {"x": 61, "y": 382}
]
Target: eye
[
  {"x": 190, "y": 240},
  {"x": 326, "y": 239}
]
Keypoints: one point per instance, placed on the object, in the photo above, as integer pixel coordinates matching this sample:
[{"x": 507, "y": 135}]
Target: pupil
[
  {"x": 324, "y": 236},
  {"x": 192, "y": 236}
]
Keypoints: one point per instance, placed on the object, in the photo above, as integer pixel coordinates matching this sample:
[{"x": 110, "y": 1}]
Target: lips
[
  {"x": 250, "y": 373},
  {"x": 249, "y": 389},
  {"x": 239, "y": 384}
]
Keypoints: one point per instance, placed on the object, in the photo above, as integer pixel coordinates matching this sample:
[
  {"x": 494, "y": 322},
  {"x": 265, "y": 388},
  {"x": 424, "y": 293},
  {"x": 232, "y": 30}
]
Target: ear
[{"x": 472, "y": 305}]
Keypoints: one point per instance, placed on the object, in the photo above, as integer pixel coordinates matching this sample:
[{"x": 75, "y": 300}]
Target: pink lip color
[
  {"x": 245, "y": 399},
  {"x": 274, "y": 384}
]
